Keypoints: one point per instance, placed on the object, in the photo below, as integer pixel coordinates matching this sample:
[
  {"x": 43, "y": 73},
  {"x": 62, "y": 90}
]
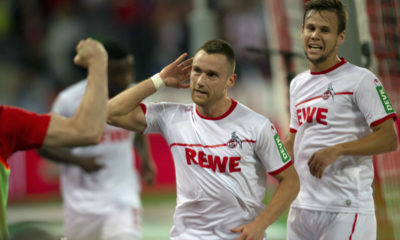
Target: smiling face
[
  {"x": 211, "y": 76},
  {"x": 321, "y": 39}
]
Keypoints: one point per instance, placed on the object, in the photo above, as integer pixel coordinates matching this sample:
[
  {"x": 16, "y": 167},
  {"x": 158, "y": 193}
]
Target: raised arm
[
  {"x": 288, "y": 188},
  {"x": 382, "y": 139},
  {"x": 123, "y": 109},
  {"x": 86, "y": 126}
]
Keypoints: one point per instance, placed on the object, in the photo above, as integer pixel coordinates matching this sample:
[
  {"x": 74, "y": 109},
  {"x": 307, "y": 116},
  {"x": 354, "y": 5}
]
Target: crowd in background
[{"x": 37, "y": 39}]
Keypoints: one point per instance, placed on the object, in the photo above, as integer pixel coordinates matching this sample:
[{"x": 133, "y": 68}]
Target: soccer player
[
  {"x": 340, "y": 117},
  {"x": 100, "y": 187},
  {"x": 21, "y": 130},
  {"x": 221, "y": 149}
]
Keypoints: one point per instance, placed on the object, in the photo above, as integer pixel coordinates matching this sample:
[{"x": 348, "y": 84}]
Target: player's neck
[
  {"x": 325, "y": 65},
  {"x": 215, "y": 110}
]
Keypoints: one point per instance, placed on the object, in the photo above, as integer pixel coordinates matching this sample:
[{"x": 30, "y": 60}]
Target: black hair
[{"x": 115, "y": 50}]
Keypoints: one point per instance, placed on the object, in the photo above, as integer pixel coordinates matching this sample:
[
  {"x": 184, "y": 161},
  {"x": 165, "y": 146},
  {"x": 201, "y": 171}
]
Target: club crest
[
  {"x": 234, "y": 141},
  {"x": 329, "y": 93}
]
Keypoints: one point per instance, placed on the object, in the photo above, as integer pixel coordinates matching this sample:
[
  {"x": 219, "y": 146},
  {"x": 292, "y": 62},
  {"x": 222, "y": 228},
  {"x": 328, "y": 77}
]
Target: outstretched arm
[
  {"x": 86, "y": 126},
  {"x": 382, "y": 139},
  {"x": 286, "y": 192},
  {"x": 124, "y": 110}
]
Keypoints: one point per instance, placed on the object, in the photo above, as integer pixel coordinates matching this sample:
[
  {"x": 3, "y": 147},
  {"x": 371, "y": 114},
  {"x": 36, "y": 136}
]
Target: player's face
[
  {"x": 321, "y": 39},
  {"x": 120, "y": 75},
  {"x": 210, "y": 77}
]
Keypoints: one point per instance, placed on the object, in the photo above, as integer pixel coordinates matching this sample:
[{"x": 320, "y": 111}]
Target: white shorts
[
  {"x": 121, "y": 224},
  {"x": 303, "y": 224}
]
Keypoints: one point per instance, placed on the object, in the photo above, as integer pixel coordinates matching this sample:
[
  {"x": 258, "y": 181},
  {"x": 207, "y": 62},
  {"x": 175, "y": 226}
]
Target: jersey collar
[
  {"x": 342, "y": 61},
  {"x": 231, "y": 108}
]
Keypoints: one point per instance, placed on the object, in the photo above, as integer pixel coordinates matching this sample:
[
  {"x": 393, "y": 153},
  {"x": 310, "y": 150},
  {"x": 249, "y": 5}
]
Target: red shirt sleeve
[{"x": 21, "y": 130}]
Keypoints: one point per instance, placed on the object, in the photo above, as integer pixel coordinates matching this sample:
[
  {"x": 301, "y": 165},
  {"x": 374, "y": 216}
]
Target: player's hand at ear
[
  {"x": 322, "y": 159},
  {"x": 90, "y": 165},
  {"x": 176, "y": 73},
  {"x": 251, "y": 231},
  {"x": 89, "y": 51}
]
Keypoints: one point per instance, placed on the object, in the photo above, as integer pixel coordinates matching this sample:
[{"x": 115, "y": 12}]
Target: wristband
[{"x": 157, "y": 81}]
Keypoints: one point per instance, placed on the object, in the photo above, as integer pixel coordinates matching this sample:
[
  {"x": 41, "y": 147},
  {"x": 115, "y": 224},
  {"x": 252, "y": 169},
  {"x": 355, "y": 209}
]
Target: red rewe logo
[
  {"x": 215, "y": 163},
  {"x": 307, "y": 115}
]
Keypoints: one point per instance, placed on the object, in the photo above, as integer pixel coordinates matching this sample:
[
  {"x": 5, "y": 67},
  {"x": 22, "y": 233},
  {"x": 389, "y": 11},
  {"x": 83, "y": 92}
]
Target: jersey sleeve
[
  {"x": 373, "y": 101},
  {"x": 294, "y": 124},
  {"x": 153, "y": 114},
  {"x": 270, "y": 150},
  {"x": 24, "y": 129}
]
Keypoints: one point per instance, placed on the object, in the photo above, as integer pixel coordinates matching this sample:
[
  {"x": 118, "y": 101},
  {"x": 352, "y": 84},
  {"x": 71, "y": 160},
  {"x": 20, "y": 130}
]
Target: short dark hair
[
  {"x": 219, "y": 46},
  {"x": 115, "y": 50},
  {"x": 335, "y": 6}
]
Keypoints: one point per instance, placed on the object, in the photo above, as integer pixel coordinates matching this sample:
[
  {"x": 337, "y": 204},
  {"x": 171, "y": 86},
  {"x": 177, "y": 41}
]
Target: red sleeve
[{"x": 21, "y": 130}]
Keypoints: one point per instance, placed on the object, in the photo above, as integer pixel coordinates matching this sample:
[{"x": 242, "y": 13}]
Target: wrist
[
  {"x": 339, "y": 149},
  {"x": 99, "y": 65},
  {"x": 157, "y": 81}
]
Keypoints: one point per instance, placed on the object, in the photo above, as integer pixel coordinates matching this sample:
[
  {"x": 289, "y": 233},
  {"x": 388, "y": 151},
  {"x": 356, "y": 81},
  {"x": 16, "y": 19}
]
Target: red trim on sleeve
[
  {"x": 143, "y": 106},
  {"x": 232, "y": 107},
  {"x": 377, "y": 122},
  {"x": 354, "y": 226},
  {"x": 342, "y": 61},
  {"x": 292, "y": 130},
  {"x": 290, "y": 163}
]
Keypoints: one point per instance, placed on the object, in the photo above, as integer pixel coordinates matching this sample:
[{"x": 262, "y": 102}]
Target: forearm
[
  {"x": 90, "y": 116},
  {"x": 384, "y": 139},
  {"x": 141, "y": 145},
  {"x": 129, "y": 100},
  {"x": 289, "y": 143},
  {"x": 279, "y": 203},
  {"x": 59, "y": 155},
  {"x": 124, "y": 110}
]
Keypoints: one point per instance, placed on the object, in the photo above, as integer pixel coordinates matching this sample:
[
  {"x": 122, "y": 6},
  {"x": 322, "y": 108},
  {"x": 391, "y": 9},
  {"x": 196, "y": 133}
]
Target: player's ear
[
  {"x": 341, "y": 38},
  {"x": 231, "y": 80}
]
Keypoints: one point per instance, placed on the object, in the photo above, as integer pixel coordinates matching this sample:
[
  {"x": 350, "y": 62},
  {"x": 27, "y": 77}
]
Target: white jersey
[
  {"x": 327, "y": 108},
  {"x": 114, "y": 186},
  {"x": 220, "y": 166}
]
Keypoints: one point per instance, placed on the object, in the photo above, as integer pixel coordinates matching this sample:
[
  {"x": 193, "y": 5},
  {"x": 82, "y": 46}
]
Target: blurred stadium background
[{"x": 37, "y": 39}]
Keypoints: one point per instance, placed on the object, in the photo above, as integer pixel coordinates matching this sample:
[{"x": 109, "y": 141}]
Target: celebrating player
[
  {"x": 221, "y": 149},
  {"x": 99, "y": 185},
  {"x": 340, "y": 116},
  {"x": 21, "y": 130}
]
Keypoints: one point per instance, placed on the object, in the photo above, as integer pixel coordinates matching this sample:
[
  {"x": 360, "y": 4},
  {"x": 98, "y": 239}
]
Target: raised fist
[{"x": 89, "y": 51}]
